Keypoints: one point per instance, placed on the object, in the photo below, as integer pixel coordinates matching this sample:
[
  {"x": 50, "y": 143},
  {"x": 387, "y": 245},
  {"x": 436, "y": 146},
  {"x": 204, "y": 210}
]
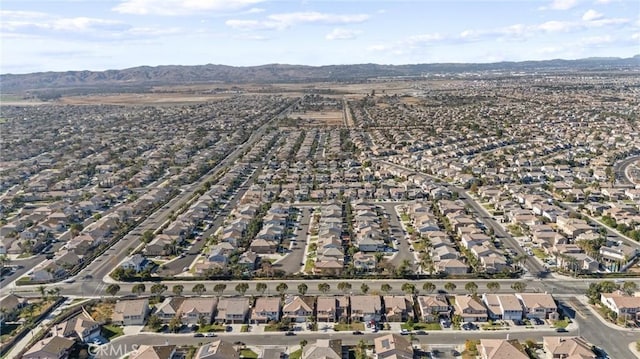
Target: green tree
[
  {"x": 175, "y": 324},
  {"x": 43, "y": 291},
  {"x": 364, "y": 288},
  {"x": 344, "y": 287},
  {"x": 450, "y": 287},
  {"x": 138, "y": 289},
  {"x": 302, "y": 288},
  {"x": 519, "y": 286},
  {"x": 112, "y": 289},
  {"x": 242, "y": 288},
  {"x": 324, "y": 287},
  {"x": 471, "y": 287},
  {"x": 154, "y": 322},
  {"x": 428, "y": 287},
  {"x": 281, "y": 288},
  {"x": 629, "y": 287},
  {"x": 386, "y": 288},
  {"x": 361, "y": 349},
  {"x": 408, "y": 288},
  {"x": 178, "y": 289},
  {"x": 147, "y": 236},
  {"x": 158, "y": 289},
  {"x": 261, "y": 287},
  {"x": 199, "y": 289},
  {"x": 219, "y": 288},
  {"x": 493, "y": 286}
]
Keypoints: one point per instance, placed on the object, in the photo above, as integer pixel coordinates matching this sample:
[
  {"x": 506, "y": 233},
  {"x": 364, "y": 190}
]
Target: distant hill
[{"x": 145, "y": 76}]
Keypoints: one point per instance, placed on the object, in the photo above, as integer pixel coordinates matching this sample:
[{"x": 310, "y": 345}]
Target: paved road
[
  {"x": 293, "y": 262},
  {"x": 404, "y": 253},
  {"x": 615, "y": 342},
  {"x": 619, "y": 168},
  {"x": 24, "y": 265}
]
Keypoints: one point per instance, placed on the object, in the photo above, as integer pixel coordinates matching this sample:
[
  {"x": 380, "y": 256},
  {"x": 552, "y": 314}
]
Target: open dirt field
[{"x": 327, "y": 118}]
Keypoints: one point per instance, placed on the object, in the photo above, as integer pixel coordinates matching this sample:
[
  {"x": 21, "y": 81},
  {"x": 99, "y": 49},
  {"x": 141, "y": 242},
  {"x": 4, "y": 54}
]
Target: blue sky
[{"x": 59, "y": 35}]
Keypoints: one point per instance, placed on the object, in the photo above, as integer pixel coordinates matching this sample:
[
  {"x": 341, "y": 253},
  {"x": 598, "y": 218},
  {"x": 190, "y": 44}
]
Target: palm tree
[
  {"x": 242, "y": 288},
  {"x": 386, "y": 288},
  {"x": 629, "y": 287},
  {"x": 471, "y": 287},
  {"x": 493, "y": 286},
  {"x": 138, "y": 289},
  {"x": 43, "y": 291},
  {"x": 361, "y": 350},
  {"x": 112, "y": 289},
  {"x": 344, "y": 287},
  {"x": 408, "y": 288},
  {"x": 177, "y": 289},
  {"x": 219, "y": 288},
  {"x": 324, "y": 287},
  {"x": 199, "y": 289},
  {"x": 282, "y": 287},
  {"x": 428, "y": 287},
  {"x": 450, "y": 287},
  {"x": 364, "y": 288},
  {"x": 55, "y": 292},
  {"x": 302, "y": 288},
  {"x": 261, "y": 287},
  {"x": 519, "y": 286}
]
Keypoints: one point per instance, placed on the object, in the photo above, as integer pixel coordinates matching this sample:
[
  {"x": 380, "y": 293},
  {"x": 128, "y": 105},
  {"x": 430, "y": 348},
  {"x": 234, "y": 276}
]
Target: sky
[{"x": 61, "y": 35}]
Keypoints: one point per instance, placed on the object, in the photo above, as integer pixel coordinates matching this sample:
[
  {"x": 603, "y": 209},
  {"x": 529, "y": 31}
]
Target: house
[
  {"x": 53, "y": 347},
  {"x": 297, "y": 308},
  {"x": 248, "y": 260},
  {"x": 218, "y": 349},
  {"x": 154, "y": 352},
  {"x": 623, "y": 305},
  {"x": 266, "y": 309},
  {"x": 131, "y": 312},
  {"x": 11, "y": 304},
  {"x": 364, "y": 262},
  {"x": 365, "y": 308},
  {"x": 331, "y": 267},
  {"x": 323, "y": 348},
  {"x": 169, "y": 308},
  {"x": 539, "y": 305},
  {"x": 137, "y": 263},
  {"x": 501, "y": 349},
  {"x": 567, "y": 348},
  {"x": 326, "y": 310},
  {"x": 82, "y": 327},
  {"x": 197, "y": 310},
  {"x": 433, "y": 307},
  {"x": 233, "y": 310},
  {"x": 263, "y": 246},
  {"x": 392, "y": 346},
  {"x": 161, "y": 245},
  {"x": 452, "y": 267},
  {"x": 470, "y": 308},
  {"x": 397, "y": 308},
  {"x": 502, "y": 306}
]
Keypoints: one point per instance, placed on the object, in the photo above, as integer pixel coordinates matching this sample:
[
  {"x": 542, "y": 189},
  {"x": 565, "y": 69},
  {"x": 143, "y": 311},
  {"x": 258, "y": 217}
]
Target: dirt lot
[{"x": 315, "y": 118}]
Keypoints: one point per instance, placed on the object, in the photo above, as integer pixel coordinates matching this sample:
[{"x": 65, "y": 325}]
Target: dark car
[
  {"x": 289, "y": 333},
  {"x": 421, "y": 332},
  {"x": 561, "y": 330},
  {"x": 198, "y": 335},
  {"x": 357, "y": 332}
]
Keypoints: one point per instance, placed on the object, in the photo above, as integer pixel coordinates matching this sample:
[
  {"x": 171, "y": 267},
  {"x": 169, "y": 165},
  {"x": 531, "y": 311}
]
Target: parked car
[
  {"x": 289, "y": 333},
  {"x": 357, "y": 332},
  {"x": 210, "y": 335},
  {"x": 198, "y": 335},
  {"x": 404, "y": 331}
]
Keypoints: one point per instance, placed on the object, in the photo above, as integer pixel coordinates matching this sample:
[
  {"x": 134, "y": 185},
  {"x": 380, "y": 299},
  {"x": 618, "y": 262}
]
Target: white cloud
[
  {"x": 180, "y": 7},
  {"x": 318, "y": 17},
  {"x": 556, "y": 26},
  {"x": 255, "y": 10},
  {"x": 635, "y": 36},
  {"x": 286, "y": 20},
  {"x": 342, "y": 34},
  {"x": 603, "y": 1},
  {"x": 591, "y": 15},
  {"x": 563, "y": 4}
]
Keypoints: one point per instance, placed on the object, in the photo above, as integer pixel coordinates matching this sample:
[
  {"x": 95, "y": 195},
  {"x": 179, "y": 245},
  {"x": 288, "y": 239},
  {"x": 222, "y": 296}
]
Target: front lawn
[
  {"x": 111, "y": 331},
  {"x": 347, "y": 327},
  {"x": 211, "y": 328},
  {"x": 248, "y": 353},
  {"x": 561, "y": 323},
  {"x": 421, "y": 326},
  {"x": 296, "y": 355}
]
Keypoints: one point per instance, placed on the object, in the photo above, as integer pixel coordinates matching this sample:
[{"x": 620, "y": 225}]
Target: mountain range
[{"x": 145, "y": 76}]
